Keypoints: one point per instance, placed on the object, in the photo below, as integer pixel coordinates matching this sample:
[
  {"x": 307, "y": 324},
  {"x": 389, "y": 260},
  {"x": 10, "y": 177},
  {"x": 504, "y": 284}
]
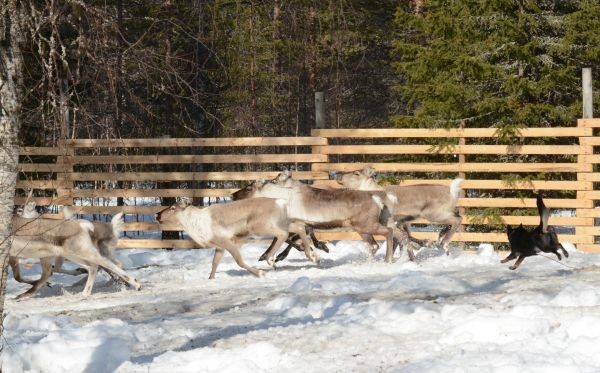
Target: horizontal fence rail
[{"x": 100, "y": 177}]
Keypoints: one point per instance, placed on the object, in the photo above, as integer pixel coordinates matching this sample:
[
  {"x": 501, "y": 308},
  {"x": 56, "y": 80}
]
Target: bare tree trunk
[{"x": 11, "y": 82}]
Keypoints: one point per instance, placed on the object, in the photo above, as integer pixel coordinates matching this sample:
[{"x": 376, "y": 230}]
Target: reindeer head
[
  {"x": 359, "y": 179},
  {"x": 250, "y": 191},
  {"x": 169, "y": 214}
]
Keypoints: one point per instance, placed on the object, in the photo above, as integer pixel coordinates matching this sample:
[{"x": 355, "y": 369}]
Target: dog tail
[
  {"x": 544, "y": 213},
  {"x": 117, "y": 224}
]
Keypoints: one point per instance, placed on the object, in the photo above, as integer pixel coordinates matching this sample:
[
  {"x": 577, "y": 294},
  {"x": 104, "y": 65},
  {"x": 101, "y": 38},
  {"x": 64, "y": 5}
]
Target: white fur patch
[
  {"x": 198, "y": 224},
  {"x": 455, "y": 187},
  {"x": 87, "y": 225},
  {"x": 392, "y": 198},
  {"x": 117, "y": 224},
  {"x": 378, "y": 201},
  {"x": 67, "y": 212}
]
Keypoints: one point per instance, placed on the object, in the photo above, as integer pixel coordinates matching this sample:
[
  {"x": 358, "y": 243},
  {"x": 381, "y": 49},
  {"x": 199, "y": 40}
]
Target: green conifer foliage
[{"x": 507, "y": 64}]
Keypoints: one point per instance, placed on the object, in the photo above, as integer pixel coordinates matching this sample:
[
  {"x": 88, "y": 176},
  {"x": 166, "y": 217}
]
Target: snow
[{"x": 460, "y": 313}]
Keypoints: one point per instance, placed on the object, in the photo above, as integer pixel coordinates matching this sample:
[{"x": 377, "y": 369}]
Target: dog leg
[
  {"x": 561, "y": 248},
  {"x": 517, "y": 263},
  {"x": 510, "y": 257}
]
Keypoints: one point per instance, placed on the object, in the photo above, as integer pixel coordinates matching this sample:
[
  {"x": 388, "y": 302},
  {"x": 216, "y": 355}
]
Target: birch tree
[{"x": 11, "y": 63}]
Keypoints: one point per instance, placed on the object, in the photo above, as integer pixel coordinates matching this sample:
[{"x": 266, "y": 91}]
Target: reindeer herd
[{"x": 282, "y": 208}]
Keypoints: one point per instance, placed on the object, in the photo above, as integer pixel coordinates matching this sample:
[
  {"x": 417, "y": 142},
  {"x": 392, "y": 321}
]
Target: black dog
[{"x": 524, "y": 243}]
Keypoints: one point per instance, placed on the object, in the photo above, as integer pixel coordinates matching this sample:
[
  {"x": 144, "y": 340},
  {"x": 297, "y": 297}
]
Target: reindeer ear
[
  {"x": 369, "y": 171},
  {"x": 184, "y": 202}
]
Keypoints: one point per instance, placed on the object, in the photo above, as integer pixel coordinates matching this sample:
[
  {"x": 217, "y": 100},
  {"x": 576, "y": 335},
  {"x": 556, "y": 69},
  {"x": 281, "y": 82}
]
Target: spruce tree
[{"x": 507, "y": 64}]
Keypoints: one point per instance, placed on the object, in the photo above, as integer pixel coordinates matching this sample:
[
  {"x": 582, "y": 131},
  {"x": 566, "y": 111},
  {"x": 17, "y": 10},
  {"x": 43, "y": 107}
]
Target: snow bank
[
  {"x": 457, "y": 313},
  {"x": 61, "y": 346}
]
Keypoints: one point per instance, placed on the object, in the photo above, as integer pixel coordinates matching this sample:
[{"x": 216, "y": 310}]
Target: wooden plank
[
  {"x": 590, "y": 195},
  {"x": 40, "y": 184},
  {"x": 452, "y": 132},
  {"x": 458, "y": 237},
  {"x": 135, "y": 210},
  {"x": 589, "y": 248},
  {"x": 589, "y": 141},
  {"x": 589, "y": 176},
  {"x": 155, "y": 244},
  {"x": 457, "y": 149},
  {"x": 454, "y": 167},
  {"x": 589, "y": 122},
  {"x": 42, "y": 167},
  {"x": 520, "y": 203},
  {"x": 194, "y": 142},
  {"x": 534, "y": 220},
  {"x": 588, "y": 213},
  {"x": 590, "y": 158},
  {"x": 192, "y": 176},
  {"x": 483, "y": 184},
  {"x": 511, "y": 220},
  {"x": 193, "y": 159},
  {"x": 44, "y": 201},
  {"x": 108, "y": 193},
  {"x": 41, "y": 150}
]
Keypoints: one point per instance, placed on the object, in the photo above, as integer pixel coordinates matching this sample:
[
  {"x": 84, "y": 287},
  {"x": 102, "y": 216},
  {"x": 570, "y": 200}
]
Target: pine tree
[{"x": 507, "y": 64}]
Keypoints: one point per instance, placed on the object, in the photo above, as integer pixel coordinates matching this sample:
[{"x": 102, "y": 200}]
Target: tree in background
[
  {"x": 12, "y": 40},
  {"x": 506, "y": 64}
]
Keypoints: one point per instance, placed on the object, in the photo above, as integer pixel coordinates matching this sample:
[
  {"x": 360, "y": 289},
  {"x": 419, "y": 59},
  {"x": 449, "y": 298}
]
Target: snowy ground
[{"x": 463, "y": 313}]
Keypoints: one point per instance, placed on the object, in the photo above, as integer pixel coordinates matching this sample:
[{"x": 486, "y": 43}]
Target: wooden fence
[{"x": 92, "y": 174}]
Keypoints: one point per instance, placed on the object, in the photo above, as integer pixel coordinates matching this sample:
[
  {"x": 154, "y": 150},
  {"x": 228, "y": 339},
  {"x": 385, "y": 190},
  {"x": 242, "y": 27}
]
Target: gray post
[
  {"x": 586, "y": 82},
  {"x": 319, "y": 110}
]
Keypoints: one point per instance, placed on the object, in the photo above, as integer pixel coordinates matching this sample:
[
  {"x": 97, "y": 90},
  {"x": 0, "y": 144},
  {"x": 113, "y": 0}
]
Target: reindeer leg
[
  {"x": 46, "y": 264},
  {"x": 234, "y": 250},
  {"x": 318, "y": 244},
  {"x": 215, "y": 263},
  {"x": 300, "y": 229},
  {"x": 369, "y": 239},
  {"x": 264, "y": 255},
  {"x": 402, "y": 238},
  {"x": 444, "y": 239},
  {"x": 13, "y": 261},
  {"x": 282, "y": 255},
  {"x": 406, "y": 227},
  {"x": 58, "y": 263}
]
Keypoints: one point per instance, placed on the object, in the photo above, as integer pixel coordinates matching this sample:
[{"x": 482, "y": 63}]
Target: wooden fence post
[
  {"x": 64, "y": 191},
  {"x": 586, "y": 186},
  {"x": 319, "y": 110},
  {"x": 586, "y": 83}
]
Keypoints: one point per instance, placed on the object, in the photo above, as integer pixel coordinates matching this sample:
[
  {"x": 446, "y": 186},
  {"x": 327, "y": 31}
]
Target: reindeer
[
  {"x": 364, "y": 212},
  {"x": 436, "y": 203},
  {"x": 284, "y": 179},
  {"x": 227, "y": 226},
  {"x": 45, "y": 238}
]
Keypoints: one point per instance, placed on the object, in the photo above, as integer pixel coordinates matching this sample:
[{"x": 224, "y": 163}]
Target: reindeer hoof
[
  {"x": 271, "y": 262},
  {"x": 512, "y": 267},
  {"x": 260, "y": 274},
  {"x": 24, "y": 295}
]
